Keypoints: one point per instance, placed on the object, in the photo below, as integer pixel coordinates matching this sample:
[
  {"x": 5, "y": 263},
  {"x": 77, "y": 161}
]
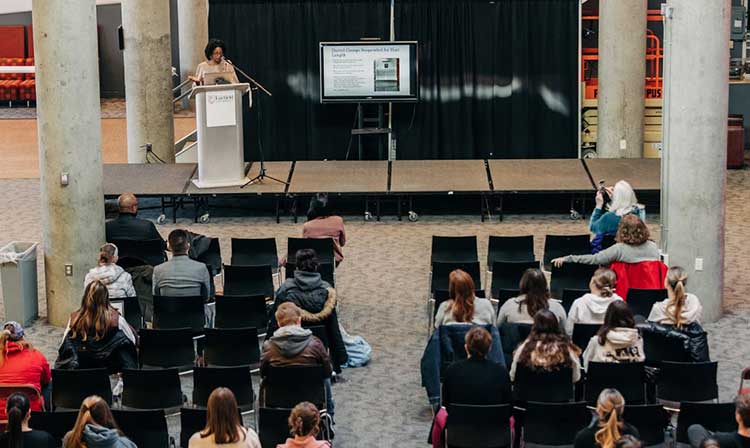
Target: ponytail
[
  {"x": 107, "y": 253},
  {"x": 609, "y": 431},
  {"x": 609, "y": 408},
  {"x": 17, "y": 410},
  {"x": 605, "y": 279},
  {"x": 677, "y": 279}
]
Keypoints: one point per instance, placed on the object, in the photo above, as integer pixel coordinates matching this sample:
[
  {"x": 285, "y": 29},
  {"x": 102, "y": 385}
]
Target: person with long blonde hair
[
  {"x": 223, "y": 425},
  {"x": 608, "y": 425},
  {"x": 680, "y": 308},
  {"x": 463, "y": 307},
  {"x": 96, "y": 427},
  {"x": 21, "y": 363}
]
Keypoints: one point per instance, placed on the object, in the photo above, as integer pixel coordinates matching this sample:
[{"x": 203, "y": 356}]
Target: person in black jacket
[
  {"x": 317, "y": 301},
  {"x": 608, "y": 425},
  {"x": 127, "y": 226},
  {"x": 698, "y": 435}
]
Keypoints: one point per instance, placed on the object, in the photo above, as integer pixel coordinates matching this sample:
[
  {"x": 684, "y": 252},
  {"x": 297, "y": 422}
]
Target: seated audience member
[
  {"x": 18, "y": 434},
  {"x": 534, "y": 296},
  {"x": 680, "y": 308},
  {"x": 623, "y": 203},
  {"x": 127, "y": 226},
  {"x": 317, "y": 301},
  {"x": 463, "y": 306},
  {"x": 118, "y": 282},
  {"x": 322, "y": 223},
  {"x": 617, "y": 340},
  {"x": 304, "y": 425},
  {"x": 475, "y": 381},
  {"x": 547, "y": 348},
  {"x": 633, "y": 246},
  {"x": 97, "y": 335},
  {"x": 223, "y": 425},
  {"x": 96, "y": 427},
  {"x": 699, "y": 436},
  {"x": 292, "y": 345},
  {"x": 608, "y": 425},
  {"x": 591, "y": 307},
  {"x": 181, "y": 276},
  {"x": 20, "y": 363}
]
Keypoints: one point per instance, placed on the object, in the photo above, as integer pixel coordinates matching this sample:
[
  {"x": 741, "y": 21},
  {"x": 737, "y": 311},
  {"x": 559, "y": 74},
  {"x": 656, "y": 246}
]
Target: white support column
[
  {"x": 148, "y": 79},
  {"x": 68, "y": 120},
  {"x": 622, "y": 78},
  {"x": 696, "y": 99},
  {"x": 192, "y": 16}
]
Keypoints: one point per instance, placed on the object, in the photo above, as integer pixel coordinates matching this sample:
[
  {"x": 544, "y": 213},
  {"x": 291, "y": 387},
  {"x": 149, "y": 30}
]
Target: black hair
[
  {"x": 318, "y": 207},
  {"x": 178, "y": 242},
  {"x": 307, "y": 260},
  {"x": 618, "y": 315},
  {"x": 17, "y": 407},
  {"x": 213, "y": 44}
]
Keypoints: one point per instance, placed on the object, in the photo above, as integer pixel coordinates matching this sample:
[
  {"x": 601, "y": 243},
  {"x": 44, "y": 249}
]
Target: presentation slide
[{"x": 373, "y": 70}]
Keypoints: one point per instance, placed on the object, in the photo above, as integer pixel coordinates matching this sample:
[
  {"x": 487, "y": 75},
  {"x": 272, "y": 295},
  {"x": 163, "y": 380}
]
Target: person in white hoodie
[
  {"x": 590, "y": 308},
  {"x": 681, "y": 307},
  {"x": 118, "y": 282},
  {"x": 617, "y": 340}
]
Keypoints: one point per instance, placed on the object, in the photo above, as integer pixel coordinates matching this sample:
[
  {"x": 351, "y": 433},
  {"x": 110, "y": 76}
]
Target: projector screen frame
[{"x": 414, "y": 74}]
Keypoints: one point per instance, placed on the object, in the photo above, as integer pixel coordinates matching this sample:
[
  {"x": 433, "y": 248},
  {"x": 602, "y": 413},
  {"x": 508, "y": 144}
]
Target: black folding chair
[
  {"x": 179, "y": 312},
  {"x": 628, "y": 378},
  {"x": 319, "y": 331},
  {"x": 147, "y": 429},
  {"x": 248, "y": 280},
  {"x": 255, "y": 252},
  {"x": 441, "y": 272},
  {"x": 511, "y": 335},
  {"x": 327, "y": 272},
  {"x": 57, "y": 423},
  {"x": 241, "y": 312},
  {"x": 211, "y": 257},
  {"x": 651, "y": 420},
  {"x": 193, "y": 420},
  {"x": 454, "y": 249},
  {"x": 658, "y": 347},
  {"x": 556, "y": 246},
  {"x": 273, "y": 426},
  {"x": 230, "y": 347},
  {"x": 712, "y": 416},
  {"x": 554, "y": 423},
  {"x": 510, "y": 248},
  {"x": 582, "y": 334},
  {"x": 507, "y": 274},
  {"x": 570, "y": 295},
  {"x": 284, "y": 387},
  {"x": 71, "y": 387},
  {"x": 640, "y": 301},
  {"x": 167, "y": 348},
  {"x": 687, "y": 381},
  {"x": 543, "y": 386},
  {"x": 570, "y": 276},
  {"x": 131, "y": 310},
  {"x": 323, "y": 248},
  {"x": 237, "y": 379},
  {"x": 149, "y": 252},
  {"x": 473, "y": 426},
  {"x": 151, "y": 389},
  {"x": 502, "y": 295}
]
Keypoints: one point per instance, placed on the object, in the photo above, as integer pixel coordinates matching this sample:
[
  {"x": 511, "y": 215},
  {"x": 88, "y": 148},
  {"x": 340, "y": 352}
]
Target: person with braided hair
[
  {"x": 681, "y": 308},
  {"x": 590, "y": 308},
  {"x": 608, "y": 426},
  {"x": 304, "y": 425}
]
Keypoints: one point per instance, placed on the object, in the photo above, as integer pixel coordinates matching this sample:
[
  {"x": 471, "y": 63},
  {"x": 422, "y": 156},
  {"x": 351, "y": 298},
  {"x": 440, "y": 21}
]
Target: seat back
[
  {"x": 319, "y": 331},
  {"x": 642, "y": 275},
  {"x": 166, "y": 348},
  {"x": 472, "y": 426},
  {"x": 151, "y": 389},
  {"x": 569, "y": 295},
  {"x": 57, "y": 423},
  {"x": 241, "y": 312},
  {"x": 6, "y": 390},
  {"x": 150, "y": 252},
  {"x": 510, "y": 248},
  {"x": 236, "y": 379},
  {"x": 229, "y": 347},
  {"x": 543, "y": 386},
  {"x": 193, "y": 420},
  {"x": 582, "y": 334},
  {"x": 502, "y": 295},
  {"x": 687, "y": 381},
  {"x": 147, "y": 429},
  {"x": 254, "y": 252},
  {"x": 511, "y": 335},
  {"x": 712, "y": 416},
  {"x": 454, "y": 249},
  {"x": 441, "y": 272},
  {"x": 326, "y": 270},
  {"x": 273, "y": 426},
  {"x": 570, "y": 276},
  {"x": 628, "y": 378},
  {"x": 569, "y": 418},
  {"x": 323, "y": 248},
  {"x": 133, "y": 312},
  {"x": 659, "y": 347},
  {"x": 561, "y": 245},
  {"x": 651, "y": 420},
  {"x": 211, "y": 257},
  {"x": 284, "y": 387},
  {"x": 248, "y": 280},
  {"x": 640, "y": 301},
  {"x": 179, "y": 312},
  {"x": 70, "y": 387},
  {"x": 507, "y": 274}
]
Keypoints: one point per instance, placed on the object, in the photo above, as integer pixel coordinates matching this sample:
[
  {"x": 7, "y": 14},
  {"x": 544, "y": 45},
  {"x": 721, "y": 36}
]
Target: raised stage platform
[{"x": 402, "y": 181}]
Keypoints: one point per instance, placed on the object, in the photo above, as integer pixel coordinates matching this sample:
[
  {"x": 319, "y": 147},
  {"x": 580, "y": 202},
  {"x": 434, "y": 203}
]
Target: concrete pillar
[
  {"x": 69, "y": 126},
  {"x": 192, "y": 16},
  {"x": 622, "y": 78},
  {"x": 148, "y": 79},
  {"x": 696, "y": 96}
]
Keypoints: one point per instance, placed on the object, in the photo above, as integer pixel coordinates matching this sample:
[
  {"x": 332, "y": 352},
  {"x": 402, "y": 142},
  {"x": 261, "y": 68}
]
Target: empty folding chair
[
  {"x": 229, "y": 347},
  {"x": 273, "y": 426},
  {"x": 454, "y": 249},
  {"x": 473, "y": 426},
  {"x": 712, "y": 416},
  {"x": 543, "y": 386},
  {"x": 323, "y": 248},
  {"x": 540, "y": 429},
  {"x": 651, "y": 420},
  {"x": 510, "y": 248},
  {"x": 70, "y": 387},
  {"x": 248, "y": 281},
  {"x": 237, "y": 379},
  {"x": 570, "y": 295},
  {"x": 284, "y": 387},
  {"x": 241, "y": 312},
  {"x": 150, "y": 252},
  {"x": 582, "y": 334},
  {"x": 628, "y": 378},
  {"x": 556, "y": 246},
  {"x": 507, "y": 274},
  {"x": 166, "y": 348},
  {"x": 211, "y": 257},
  {"x": 133, "y": 312},
  {"x": 147, "y": 429},
  {"x": 326, "y": 270},
  {"x": 151, "y": 389},
  {"x": 570, "y": 276},
  {"x": 640, "y": 301},
  {"x": 691, "y": 381},
  {"x": 255, "y": 252},
  {"x": 57, "y": 423},
  {"x": 179, "y": 312}
]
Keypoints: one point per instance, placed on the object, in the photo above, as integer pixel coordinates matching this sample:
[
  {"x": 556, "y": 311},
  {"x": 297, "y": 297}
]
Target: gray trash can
[{"x": 18, "y": 277}]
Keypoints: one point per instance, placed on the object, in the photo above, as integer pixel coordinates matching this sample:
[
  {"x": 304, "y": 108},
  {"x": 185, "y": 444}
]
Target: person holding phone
[{"x": 622, "y": 202}]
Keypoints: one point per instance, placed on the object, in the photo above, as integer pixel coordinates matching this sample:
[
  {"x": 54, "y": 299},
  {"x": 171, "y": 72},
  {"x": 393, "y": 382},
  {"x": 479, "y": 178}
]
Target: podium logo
[{"x": 218, "y": 99}]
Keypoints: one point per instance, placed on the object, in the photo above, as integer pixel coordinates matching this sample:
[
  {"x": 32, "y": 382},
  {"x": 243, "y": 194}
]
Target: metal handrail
[{"x": 182, "y": 84}]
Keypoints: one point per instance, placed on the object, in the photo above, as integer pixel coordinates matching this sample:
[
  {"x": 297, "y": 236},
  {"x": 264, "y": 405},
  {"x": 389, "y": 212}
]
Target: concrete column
[
  {"x": 696, "y": 96},
  {"x": 622, "y": 78},
  {"x": 192, "y": 16},
  {"x": 148, "y": 79},
  {"x": 68, "y": 122}
]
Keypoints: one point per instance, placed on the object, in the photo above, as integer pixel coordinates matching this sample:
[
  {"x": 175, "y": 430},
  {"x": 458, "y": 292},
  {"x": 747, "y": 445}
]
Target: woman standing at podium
[{"x": 214, "y": 63}]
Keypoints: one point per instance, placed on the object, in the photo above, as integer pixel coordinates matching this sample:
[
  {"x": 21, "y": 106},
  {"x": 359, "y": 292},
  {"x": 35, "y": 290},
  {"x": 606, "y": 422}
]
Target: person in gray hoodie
[
  {"x": 617, "y": 340},
  {"x": 118, "y": 282},
  {"x": 590, "y": 308},
  {"x": 96, "y": 427}
]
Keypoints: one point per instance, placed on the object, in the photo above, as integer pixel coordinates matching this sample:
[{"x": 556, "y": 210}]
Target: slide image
[{"x": 386, "y": 71}]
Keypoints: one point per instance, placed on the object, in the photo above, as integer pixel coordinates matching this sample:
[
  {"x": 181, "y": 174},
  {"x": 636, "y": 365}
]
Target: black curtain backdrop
[{"x": 498, "y": 79}]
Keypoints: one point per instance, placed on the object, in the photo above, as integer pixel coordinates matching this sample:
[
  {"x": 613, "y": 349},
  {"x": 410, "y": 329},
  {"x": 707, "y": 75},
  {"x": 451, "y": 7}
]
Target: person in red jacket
[{"x": 20, "y": 363}]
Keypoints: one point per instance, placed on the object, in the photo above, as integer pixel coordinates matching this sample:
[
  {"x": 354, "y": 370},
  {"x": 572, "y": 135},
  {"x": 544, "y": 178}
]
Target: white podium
[{"x": 221, "y": 160}]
